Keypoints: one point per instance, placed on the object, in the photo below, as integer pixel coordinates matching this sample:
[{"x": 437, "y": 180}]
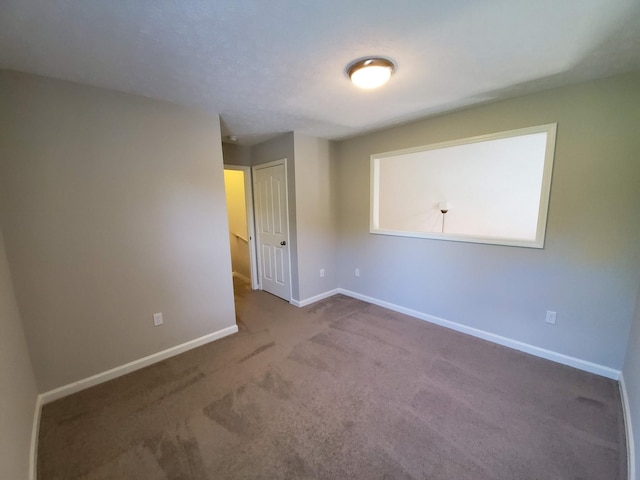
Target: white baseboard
[
  {"x": 74, "y": 387},
  {"x": 315, "y": 298},
  {"x": 491, "y": 337},
  {"x": 628, "y": 425},
  {"x": 35, "y": 431},
  {"x": 241, "y": 277}
]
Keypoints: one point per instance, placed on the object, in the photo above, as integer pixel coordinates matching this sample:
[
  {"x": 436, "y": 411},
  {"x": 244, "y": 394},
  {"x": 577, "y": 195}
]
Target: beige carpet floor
[{"x": 339, "y": 390}]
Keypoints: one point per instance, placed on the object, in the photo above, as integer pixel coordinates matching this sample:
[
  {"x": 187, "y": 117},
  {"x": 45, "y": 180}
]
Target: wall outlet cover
[{"x": 551, "y": 317}]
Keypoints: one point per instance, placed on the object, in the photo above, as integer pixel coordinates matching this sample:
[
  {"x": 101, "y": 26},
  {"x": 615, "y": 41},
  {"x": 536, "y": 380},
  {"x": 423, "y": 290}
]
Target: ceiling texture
[{"x": 273, "y": 66}]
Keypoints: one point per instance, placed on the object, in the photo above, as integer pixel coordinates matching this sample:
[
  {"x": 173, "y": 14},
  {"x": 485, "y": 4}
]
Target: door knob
[{"x": 283, "y": 243}]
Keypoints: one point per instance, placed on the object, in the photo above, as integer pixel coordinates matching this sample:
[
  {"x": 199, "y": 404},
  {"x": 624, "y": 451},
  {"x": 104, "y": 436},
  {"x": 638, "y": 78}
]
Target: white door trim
[
  {"x": 282, "y": 161},
  {"x": 248, "y": 194}
]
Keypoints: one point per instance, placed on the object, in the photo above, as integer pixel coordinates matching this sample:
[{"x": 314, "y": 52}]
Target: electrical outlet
[
  {"x": 157, "y": 319},
  {"x": 551, "y": 317},
  {"x": 321, "y": 272},
  {"x": 357, "y": 272}
]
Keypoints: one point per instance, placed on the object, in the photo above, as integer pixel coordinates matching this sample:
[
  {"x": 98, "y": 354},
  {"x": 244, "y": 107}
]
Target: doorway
[{"x": 238, "y": 190}]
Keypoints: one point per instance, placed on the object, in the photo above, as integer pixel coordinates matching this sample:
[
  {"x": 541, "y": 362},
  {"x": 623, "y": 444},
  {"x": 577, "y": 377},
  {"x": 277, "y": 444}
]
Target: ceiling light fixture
[{"x": 370, "y": 72}]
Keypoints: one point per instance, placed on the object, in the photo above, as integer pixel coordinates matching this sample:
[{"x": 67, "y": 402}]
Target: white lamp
[{"x": 370, "y": 72}]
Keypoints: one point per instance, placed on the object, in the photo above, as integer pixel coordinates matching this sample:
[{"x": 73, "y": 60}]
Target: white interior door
[{"x": 271, "y": 207}]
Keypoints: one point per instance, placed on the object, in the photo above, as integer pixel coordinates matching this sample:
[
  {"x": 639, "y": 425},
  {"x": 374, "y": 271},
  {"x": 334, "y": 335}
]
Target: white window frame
[{"x": 545, "y": 190}]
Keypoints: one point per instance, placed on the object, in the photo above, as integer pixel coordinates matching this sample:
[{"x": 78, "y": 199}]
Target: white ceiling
[{"x": 271, "y": 66}]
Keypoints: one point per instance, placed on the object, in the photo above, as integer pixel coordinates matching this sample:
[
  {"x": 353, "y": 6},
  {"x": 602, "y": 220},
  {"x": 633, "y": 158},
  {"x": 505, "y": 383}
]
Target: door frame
[
  {"x": 274, "y": 163},
  {"x": 248, "y": 200}
]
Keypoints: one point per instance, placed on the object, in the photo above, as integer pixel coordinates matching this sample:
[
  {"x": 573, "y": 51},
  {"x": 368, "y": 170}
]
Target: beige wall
[
  {"x": 589, "y": 270},
  {"x": 18, "y": 390},
  {"x": 315, "y": 215},
  {"x": 113, "y": 208},
  {"x": 234, "y": 183}
]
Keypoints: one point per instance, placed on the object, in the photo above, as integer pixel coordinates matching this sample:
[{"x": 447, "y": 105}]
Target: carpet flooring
[{"x": 339, "y": 390}]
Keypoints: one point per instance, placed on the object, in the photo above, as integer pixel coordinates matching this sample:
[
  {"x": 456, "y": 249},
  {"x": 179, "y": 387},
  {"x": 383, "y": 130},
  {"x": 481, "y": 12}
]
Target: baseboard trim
[
  {"x": 74, "y": 387},
  {"x": 492, "y": 337},
  {"x": 315, "y": 298},
  {"x": 241, "y": 277},
  {"x": 35, "y": 431},
  {"x": 628, "y": 425}
]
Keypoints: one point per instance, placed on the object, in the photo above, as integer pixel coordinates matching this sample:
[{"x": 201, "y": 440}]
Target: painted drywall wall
[
  {"x": 589, "y": 270},
  {"x": 277, "y": 149},
  {"x": 631, "y": 373},
  {"x": 18, "y": 391},
  {"x": 237, "y": 213},
  {"x": 316, "y": 215},
  {"x": 236, "y": 154},
  {"x": 113, "y": 208}
]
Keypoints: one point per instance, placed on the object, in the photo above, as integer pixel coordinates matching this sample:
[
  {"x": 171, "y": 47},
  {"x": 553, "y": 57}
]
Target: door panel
[
  {"x": 267, "y": 267},
  {"x": 273, "y": 229}
]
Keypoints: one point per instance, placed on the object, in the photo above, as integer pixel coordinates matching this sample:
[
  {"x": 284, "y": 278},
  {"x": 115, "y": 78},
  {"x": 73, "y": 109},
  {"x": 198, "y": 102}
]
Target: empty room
[{"x": 319, "y": 240}]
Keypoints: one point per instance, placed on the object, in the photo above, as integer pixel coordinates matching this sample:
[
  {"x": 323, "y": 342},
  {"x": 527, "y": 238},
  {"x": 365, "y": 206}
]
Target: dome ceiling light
[{"x": 370, "y": 72}]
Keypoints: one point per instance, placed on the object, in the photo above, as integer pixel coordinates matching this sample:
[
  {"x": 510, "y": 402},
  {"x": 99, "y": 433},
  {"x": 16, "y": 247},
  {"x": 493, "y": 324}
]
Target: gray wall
[
  {"x": 113, "y": 208},
  {"x": 631, "y": 373},
  {"x": 277, "y": 149},
  {"x": 589, "y": 270},
  {"x": 18, "y": 392},
  {"x": 312, "y": 216},
  {"x": 316, "y": 215},
  {"x": 236, "y": 154}
]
